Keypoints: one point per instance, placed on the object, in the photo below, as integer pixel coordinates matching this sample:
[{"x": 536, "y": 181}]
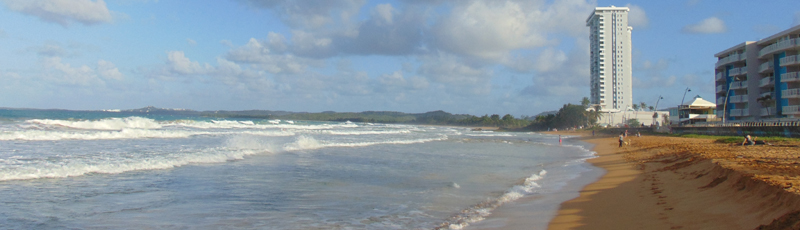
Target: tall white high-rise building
[{"x": 610, "y": 39}]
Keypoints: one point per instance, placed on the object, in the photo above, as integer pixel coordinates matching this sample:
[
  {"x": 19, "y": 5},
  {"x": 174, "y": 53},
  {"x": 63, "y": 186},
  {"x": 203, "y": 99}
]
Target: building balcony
[
  {"x": 739, "y": 85},
  {"x": 767, "y": 81},
  {"x": 740, "y": 113},
  {"x": 790, "y": 93},
  {"x": 719, "y": 77},
  {"x": 792, "y": 109},
  {"x": 738, "y": 98},
  {"x": 721, "y": 88},
  {"x": 729, "y": 59},
  {"x": 778, "y": 46},
  {"x": 768, "y": 111},
  {"x": 765, "y": 67},
  {"x": 789, "y": 60},
  {"x": 790, "y": 77},
  {"x": 733, "y": 72},
  {"x": 770, "y": 94},
  {"x": 720, "y": 100}
]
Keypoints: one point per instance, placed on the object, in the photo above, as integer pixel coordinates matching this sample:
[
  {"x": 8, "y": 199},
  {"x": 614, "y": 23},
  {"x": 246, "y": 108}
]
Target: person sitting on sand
[{"x": 752, "y": 141}]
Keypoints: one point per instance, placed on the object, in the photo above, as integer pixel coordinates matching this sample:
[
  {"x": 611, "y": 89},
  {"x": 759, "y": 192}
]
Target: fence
[{"x": 772, "y": 129}]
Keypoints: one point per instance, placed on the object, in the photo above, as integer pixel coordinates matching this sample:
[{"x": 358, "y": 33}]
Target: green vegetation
[{"x": 568, "y": 116}]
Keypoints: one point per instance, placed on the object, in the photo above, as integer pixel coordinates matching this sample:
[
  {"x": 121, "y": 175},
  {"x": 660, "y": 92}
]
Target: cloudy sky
[{"x": 518, "y": 57}]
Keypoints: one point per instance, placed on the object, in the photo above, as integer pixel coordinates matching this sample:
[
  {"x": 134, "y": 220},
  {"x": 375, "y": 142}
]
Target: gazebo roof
[{"x": 698, "y": 102}]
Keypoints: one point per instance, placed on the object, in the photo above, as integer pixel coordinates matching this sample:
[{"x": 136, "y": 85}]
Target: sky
[{"x": 518, "y": 57}]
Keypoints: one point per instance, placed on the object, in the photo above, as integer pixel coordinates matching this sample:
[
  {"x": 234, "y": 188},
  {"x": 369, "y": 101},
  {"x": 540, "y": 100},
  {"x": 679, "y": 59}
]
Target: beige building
[
  {"x": 759, "y": 80},
  {"x": 695, "y": 111},
  {"x": 610, "y": 58}
]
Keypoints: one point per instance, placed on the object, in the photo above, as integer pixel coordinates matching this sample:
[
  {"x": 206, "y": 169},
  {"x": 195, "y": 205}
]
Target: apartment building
[
  {"x": 759, "y": 80},
  {"x": 610, "y": 58}
]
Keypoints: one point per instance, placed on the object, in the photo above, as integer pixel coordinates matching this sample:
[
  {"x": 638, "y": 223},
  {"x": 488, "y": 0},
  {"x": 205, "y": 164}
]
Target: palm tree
[{"x": 765, "y": 102}]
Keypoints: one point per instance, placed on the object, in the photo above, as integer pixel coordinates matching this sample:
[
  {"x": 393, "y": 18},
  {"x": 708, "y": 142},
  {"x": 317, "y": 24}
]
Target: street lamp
[
  {"x": 727, "y": 95},
  {"x": 679, "y": 106},
  {"x": 656, "y": 109}
]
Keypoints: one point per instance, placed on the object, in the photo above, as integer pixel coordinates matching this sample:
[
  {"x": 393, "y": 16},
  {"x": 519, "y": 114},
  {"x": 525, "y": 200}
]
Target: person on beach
[
  {"x": 559, "y": 139},
  {"x": 621, "y": 139},
  {"x": 752, "y": 141}
]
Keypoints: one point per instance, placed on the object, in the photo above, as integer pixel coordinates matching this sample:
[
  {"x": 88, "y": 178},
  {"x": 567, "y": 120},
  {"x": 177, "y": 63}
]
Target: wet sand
[{"x": 659, "y": 182}]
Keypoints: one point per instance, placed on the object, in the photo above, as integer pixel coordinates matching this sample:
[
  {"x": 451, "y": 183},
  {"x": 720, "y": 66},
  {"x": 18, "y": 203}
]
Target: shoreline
[
  {"x": 681, "y": 183},
  {"x": 660, "y": 182}
]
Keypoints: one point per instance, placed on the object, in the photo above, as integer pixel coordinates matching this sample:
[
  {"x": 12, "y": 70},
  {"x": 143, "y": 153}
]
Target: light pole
[
  {"x": 727, "y": 95},
  {"x": 656, "y": 109},
  {"x": 680, "y": 112}
]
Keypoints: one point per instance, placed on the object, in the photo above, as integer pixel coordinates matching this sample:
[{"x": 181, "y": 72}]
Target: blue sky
[{"x": 518, "y": 57}]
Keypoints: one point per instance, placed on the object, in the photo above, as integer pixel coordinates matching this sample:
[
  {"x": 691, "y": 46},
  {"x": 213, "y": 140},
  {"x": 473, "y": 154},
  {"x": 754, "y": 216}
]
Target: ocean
[{"x": 114, "y": 170}]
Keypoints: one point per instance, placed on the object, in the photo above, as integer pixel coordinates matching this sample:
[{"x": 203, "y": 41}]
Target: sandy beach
[{"x": 659, "y": 182}]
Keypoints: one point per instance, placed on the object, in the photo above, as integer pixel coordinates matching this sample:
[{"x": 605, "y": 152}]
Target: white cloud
[
  {"x": 178, "y": 63},
  {"x": 260, "y": 55},
  {"x": 486, "y": 30},
  {"x": 63, "y": 11},
  {"x": 712, "y": 25},
  {"x": 384, "y": 12},
  {"x": 191, "y": 41},
  {"x": 637, "y": 17},
  {"x": 455, "y": 76},
  {"x": 108, "y": 70},
  {"x": 310, "y": 13},
  {"x": 489, "y": 30},
  {"x": 84, "y": 75}
]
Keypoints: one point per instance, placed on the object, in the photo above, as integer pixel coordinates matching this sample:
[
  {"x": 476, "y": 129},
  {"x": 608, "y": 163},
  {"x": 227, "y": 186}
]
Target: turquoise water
[{"x": 72, "y": 169}]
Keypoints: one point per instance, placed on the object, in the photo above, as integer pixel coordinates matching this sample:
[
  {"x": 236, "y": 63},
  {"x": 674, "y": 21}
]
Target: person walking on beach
[
  {"x": 559, "y": 139},
  {"x": 621, "y": 139}
]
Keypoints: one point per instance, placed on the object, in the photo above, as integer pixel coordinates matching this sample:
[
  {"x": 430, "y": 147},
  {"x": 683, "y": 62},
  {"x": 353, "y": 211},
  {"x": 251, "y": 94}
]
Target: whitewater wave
[
  {"x": 480, "y": 211},
  {"x": 55, "y": 135},
  {"x": 102, "y": 124},
  {"x": 309, "y": 143},
  {"x": 53, "y": 167}
]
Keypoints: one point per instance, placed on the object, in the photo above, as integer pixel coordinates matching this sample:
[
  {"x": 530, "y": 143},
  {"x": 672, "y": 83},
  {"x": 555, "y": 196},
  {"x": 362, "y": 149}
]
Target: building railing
[
  {"x": 788, "y": 60},
  {"x": 768, "y": 111},
  {"x": 738, "y": 98},
  {"x": 739, "y": 85},
  {"x": 719, "y": 76},
  {"x": 770, "y": 94},
  {"x": 721, "y": 88},
  {"x": 766, "y": 81},
  {"x": 787, "y": 93},
  {"x": 764, "y": 67},
  {"x": 792, "y": 109},
  {"x": 740, "y": 112},
  {"x": 720, "y": 100},
  {"x": 733, "y": 72},
  {"x": 730, "y": 58},
  {"x": 748, "y": 124},
  {"x": 785, "y": 44},
  {"x": 790, "y": 76}
]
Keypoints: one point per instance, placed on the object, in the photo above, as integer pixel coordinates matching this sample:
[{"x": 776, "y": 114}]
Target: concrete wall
[{"x": 759, "y": 131}]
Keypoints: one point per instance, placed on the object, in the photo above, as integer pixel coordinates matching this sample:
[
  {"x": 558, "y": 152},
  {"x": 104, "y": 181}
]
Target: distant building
[
  {"x": 759, "y": 80},
  {"x": 697, "y": 110},
  {"x": 610, "y": 58}
]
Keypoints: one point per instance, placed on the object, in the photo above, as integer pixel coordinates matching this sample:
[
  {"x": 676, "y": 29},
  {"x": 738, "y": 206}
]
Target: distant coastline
[{"x": 439, "y": 117}]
